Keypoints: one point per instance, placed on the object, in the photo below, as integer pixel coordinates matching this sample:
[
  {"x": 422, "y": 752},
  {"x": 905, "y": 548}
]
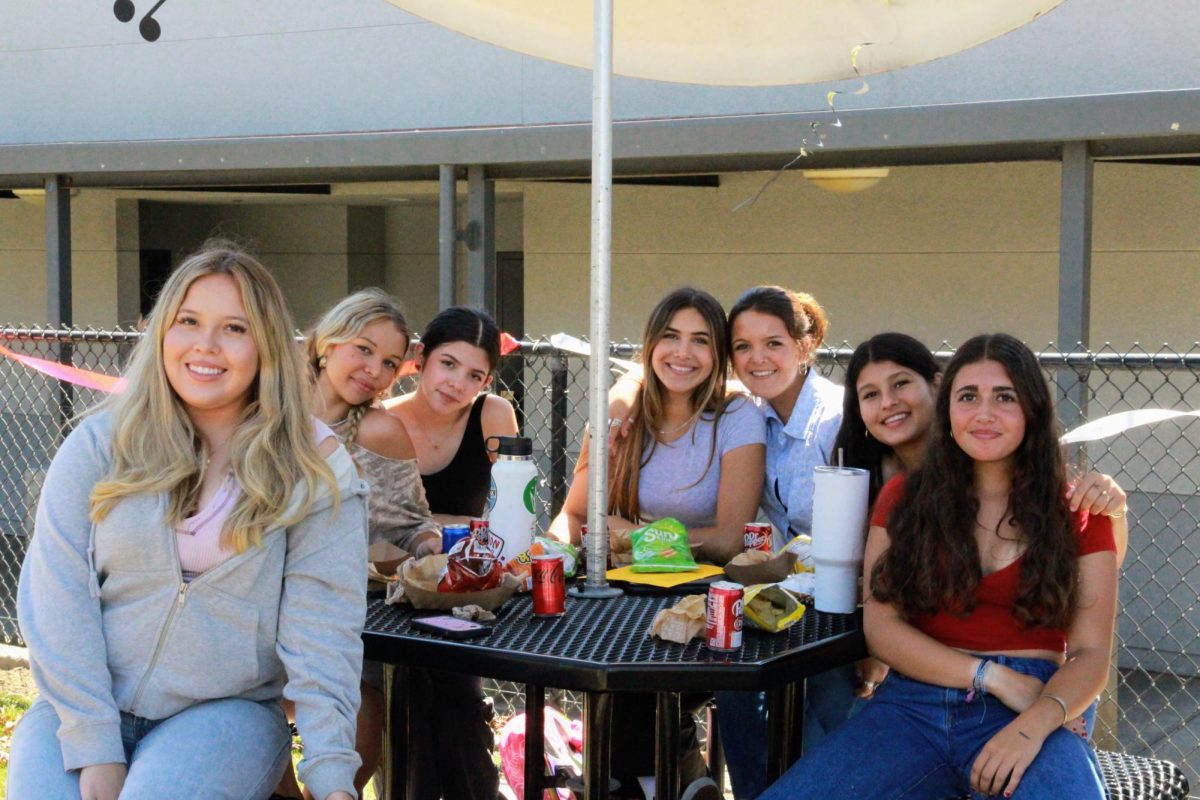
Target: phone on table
[{"x": 451, "y": 627}]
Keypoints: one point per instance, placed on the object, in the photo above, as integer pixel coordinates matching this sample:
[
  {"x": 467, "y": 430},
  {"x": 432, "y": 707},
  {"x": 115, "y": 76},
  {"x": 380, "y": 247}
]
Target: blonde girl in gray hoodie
[{"x": 200, "y": 541}]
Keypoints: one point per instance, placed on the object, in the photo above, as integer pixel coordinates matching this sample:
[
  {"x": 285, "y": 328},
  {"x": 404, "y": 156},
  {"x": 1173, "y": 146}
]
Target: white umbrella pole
[{"x": 597, "y": 541}]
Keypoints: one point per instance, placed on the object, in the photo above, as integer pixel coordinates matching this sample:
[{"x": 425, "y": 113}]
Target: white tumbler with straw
[{"x": 840, "y": 499}]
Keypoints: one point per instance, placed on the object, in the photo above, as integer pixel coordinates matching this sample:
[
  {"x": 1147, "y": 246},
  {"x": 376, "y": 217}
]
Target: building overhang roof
[{"x": 1156, "y": 124}]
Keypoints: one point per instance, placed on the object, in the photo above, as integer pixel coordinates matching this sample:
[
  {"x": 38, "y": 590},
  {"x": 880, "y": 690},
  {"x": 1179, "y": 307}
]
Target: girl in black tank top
[
  {"x": 462, "y": 486},
  {"x": 451, "y": 743}
]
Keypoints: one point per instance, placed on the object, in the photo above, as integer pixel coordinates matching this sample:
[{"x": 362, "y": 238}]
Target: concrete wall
[
  {"x": 411, "y": 253},
  {"x": 101, "y": 267},
  {"x": 941, "y": 252}
]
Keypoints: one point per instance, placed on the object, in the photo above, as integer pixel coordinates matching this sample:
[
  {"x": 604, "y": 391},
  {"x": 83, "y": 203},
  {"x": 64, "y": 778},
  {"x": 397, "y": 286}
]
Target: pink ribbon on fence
[{"x": 67, "y": 373}]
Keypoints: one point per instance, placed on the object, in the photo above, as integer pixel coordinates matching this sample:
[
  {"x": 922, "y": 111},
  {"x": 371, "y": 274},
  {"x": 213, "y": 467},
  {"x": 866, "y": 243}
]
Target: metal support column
[
  {"x": 447, "y": 236},
  {"x": 481, "y": 240},
  {"x": 58, "y": 284},
  {"x": 58, "y": 251},
  {"x": 1074, "y": 277}
]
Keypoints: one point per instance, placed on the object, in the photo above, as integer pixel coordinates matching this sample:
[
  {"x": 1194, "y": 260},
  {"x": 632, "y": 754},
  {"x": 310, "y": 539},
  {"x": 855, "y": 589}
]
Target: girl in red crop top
[{"x": 978, "y": 576}]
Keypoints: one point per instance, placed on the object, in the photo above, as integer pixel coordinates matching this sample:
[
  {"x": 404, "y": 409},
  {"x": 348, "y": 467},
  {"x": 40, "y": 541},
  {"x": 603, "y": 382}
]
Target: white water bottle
[{"x": 513, "y": 496}]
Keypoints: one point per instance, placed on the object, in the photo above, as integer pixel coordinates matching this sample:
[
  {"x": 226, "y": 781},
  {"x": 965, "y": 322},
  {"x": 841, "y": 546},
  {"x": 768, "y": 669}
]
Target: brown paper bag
[{"x": 775, "y": 569}]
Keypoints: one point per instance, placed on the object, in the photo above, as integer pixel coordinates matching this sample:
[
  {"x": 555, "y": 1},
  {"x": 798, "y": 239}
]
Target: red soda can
[
  {"x": 757, "y": 536},
  {"x": 724, "y": 630},
  {"x": 480, "y": 529},
  {"x": 549, "y": 586}
]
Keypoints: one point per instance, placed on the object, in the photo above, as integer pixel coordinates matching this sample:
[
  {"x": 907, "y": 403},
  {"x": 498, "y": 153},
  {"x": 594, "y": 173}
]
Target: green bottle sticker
[{"x": 530, "y": 494}]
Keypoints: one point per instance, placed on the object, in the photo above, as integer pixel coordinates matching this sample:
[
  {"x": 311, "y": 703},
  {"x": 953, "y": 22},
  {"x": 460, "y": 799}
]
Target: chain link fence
[{"x": 1152, "y": 704}]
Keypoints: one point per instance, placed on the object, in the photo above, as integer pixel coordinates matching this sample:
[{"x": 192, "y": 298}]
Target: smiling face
[
  {"x": 682, "y": 358},
  {"x": 209, "y": 354},
  {"x": 986, "y": 417},
  {"x": 765, "y": 356},
  {"x": 896, "y": 403},
  {"x": 361, "y": 369},
  {"x": 453, "y": 375}
]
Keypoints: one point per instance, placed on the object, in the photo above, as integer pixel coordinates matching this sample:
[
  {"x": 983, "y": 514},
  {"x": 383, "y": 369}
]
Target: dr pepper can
[{"x": 724, "y": 631}]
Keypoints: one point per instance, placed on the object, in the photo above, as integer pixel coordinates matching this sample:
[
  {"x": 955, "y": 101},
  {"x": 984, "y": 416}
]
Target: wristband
[
  {"x": 977, "y": 683},
  {"x": 1061, "y": 702}
]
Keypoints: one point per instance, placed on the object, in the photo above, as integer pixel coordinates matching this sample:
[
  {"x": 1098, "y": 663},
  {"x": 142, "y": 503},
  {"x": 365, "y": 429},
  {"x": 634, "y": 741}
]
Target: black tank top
[{"x": 462, "y": 486}]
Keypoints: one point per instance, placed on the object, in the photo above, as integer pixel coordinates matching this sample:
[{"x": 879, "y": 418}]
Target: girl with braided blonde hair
[{"x": 355, "y": 351}]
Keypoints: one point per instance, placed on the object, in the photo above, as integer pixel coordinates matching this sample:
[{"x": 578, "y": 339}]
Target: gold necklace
[{"x": 686, "y": 422}]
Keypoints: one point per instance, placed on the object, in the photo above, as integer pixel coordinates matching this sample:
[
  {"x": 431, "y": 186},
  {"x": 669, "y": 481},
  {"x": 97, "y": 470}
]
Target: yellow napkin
[{"x": 664, "y": 580}]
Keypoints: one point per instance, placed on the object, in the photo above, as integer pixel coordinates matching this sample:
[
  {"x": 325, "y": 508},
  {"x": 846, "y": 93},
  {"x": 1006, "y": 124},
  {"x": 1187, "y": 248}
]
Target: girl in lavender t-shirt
[{"x": 694, "y": 453}]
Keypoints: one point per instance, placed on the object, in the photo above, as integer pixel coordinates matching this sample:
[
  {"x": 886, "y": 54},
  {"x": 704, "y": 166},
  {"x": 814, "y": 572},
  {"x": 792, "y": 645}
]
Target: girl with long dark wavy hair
[{"x": 992, "y": 601}]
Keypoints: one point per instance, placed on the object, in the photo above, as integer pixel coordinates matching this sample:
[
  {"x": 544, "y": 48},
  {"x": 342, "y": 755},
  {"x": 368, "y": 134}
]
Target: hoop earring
[{"x": 866, "y": 434}]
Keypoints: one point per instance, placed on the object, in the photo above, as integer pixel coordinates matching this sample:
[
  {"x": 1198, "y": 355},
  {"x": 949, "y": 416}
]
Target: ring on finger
[
  {"x": 612, "y": 423},
  {"x": 870, "y": 685}
]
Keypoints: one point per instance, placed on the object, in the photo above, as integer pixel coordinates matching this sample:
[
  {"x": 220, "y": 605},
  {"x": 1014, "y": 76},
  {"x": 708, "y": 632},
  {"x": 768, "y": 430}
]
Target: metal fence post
[{"x": 558, "y": 433}]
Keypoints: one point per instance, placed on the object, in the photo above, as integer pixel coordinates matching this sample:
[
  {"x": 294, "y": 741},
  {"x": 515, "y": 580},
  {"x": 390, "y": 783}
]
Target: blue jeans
[
  {"x": 226, "y": 748},
  {"x": 742, "y": 720},
  {"x": 918, "y": 741}
]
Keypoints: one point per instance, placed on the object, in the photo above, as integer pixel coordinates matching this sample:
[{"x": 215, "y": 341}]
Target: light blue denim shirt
[{"x": 793, "y": 450}]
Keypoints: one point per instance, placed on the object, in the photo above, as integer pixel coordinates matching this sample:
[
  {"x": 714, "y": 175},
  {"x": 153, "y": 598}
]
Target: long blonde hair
[
  {"x": 156, "y": 448},
  {"x": 634, "y": 451},
  {"x": 345, "y": 322}
]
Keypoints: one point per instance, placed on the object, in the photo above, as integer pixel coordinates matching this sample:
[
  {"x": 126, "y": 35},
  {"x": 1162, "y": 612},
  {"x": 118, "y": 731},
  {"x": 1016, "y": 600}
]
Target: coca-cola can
[
  {"x": 724, "y": 630},
  {"x": 549, "y": 586},
  {"x": 757, "y": 536}
]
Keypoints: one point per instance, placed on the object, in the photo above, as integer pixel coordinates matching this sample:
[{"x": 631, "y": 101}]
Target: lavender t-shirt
[{"x": 665, "y": 485}]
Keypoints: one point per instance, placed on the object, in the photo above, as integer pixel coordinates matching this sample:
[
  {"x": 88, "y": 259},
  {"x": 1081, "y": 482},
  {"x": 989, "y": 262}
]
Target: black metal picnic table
[{"x": 600, "y": 647}]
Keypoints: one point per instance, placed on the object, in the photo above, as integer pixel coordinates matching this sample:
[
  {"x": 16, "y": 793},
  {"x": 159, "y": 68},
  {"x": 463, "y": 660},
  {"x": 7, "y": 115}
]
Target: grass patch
[{"x": 11, "y": 708}]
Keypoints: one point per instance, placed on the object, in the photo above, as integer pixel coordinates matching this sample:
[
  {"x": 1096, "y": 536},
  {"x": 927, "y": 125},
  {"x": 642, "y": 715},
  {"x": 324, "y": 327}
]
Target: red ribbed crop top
[{"x": 991, "y": 626}]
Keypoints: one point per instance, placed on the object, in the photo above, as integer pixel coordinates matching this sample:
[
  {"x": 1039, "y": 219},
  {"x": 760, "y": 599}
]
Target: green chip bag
[{"x": 662, "y": 546}]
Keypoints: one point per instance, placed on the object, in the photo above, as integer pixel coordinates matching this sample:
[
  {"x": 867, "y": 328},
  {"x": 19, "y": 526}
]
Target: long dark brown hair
[
  {"x": 634, "y": 452},
  {"x": 857, "y": 448},
  {"x": 933, "y": 563}
]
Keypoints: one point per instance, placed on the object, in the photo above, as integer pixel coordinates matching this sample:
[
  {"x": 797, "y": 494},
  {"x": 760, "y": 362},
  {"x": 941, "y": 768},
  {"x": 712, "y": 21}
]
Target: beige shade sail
[{"x": 738, "y": 42}]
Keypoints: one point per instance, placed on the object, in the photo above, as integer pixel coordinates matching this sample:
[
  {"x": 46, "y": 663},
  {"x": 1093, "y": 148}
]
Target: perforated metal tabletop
[{"x": 601, "y": 645}]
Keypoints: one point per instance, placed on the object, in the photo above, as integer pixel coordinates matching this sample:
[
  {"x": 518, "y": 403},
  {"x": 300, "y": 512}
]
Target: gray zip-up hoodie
[{"x": 112, "y": 627}]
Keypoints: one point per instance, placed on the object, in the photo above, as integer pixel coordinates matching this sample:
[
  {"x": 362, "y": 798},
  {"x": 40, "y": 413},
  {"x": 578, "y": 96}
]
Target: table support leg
[
  {"x": 597, "y": 719},
  {"x": 396, "y": 732},
  {"x": 535, "y": 745},
  {"x": 794, "y": 743},
  {"x": 666, "y": 748},
  {"x": 779, "y": 730}
]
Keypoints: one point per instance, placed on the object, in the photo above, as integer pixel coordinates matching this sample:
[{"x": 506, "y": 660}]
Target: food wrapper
[
  {"x": 662, "y": 546},
  {"x": 682, "y": 622},
  {"x": 473, "y": 613},
  {"x": 521, "y": 567},
  {"x": 802, "y": 546},
  {"x": 801, "y": 584},
  {"x": 418, "y": 585},
  {"x": 771, "y": 608},
  {"x": 473, "y": 565},
  {"x": 756, "y": 566}
]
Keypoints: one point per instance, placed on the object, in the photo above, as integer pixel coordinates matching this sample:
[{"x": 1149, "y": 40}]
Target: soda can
[
  {"x": 724, "y": 629},
  {"x": 480, "y": 530},
  {"x": 549, "y": 586},
  {"x": 757, "y": 536},
  {"x": 453, "y": 534}
]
